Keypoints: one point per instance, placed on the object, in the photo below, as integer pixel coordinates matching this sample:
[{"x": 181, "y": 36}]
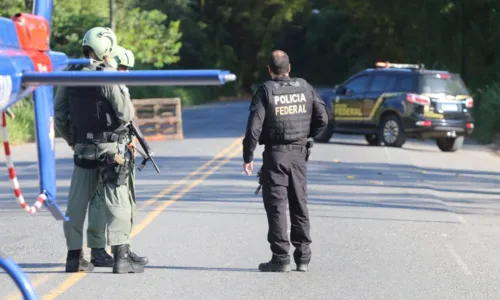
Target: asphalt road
[{"x": 410, "y": 223}]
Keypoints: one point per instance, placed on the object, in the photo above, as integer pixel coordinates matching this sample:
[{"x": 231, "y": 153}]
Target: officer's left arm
[
  {"x": 319, "y": 118},
  {"x": 254, "y": 124}
]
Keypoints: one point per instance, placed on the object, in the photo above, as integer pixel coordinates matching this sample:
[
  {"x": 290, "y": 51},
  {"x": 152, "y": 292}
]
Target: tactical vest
[
  {"x": 289, "y": 110},
  {"x": 92, "y": 115}
]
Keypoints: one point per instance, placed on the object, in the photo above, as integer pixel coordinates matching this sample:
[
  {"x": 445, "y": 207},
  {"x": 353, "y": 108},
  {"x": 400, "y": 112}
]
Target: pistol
[{"x": 259, "y": 175}]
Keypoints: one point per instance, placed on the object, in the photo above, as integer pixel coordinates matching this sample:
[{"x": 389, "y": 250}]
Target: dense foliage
[{"x": 327, "y": 40}]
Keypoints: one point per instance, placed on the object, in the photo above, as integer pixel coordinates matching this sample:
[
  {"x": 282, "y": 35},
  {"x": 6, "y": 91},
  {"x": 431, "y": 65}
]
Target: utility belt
[
  {"x": 293, "y": 148},
  {"x": 107, "y": 137},
  {"x": 115, "y": 167},
  {"x": 303, "y": 149}
]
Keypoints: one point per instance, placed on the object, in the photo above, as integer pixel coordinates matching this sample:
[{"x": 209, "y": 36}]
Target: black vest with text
[
  {"x": 90, "y": 112},
  {"x": 288, "y": 112}
]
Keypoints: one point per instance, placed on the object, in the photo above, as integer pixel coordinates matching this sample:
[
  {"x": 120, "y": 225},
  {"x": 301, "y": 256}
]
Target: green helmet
[
  {"x": 101, "y": 40},
  {"x": 123, "y": 56}
]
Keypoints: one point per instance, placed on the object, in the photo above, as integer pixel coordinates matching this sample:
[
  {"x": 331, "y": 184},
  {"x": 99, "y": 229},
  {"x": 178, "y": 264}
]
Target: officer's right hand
[{"x": 248, "y": 168}]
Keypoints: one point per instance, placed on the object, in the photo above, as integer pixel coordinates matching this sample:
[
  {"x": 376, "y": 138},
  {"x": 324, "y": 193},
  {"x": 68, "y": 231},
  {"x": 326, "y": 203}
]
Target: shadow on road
[
  {"x": 377, "y": 185},
  {"x": 148, "y": 182},
  {"x": 357, "y": 141},
  {"x": 39, "y": 268},
  {"x": 202, "y": 268}
]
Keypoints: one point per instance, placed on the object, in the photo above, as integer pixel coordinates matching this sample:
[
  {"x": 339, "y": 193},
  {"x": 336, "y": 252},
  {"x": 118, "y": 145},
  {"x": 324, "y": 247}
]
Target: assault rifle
[{"x": 148, "y": 154}]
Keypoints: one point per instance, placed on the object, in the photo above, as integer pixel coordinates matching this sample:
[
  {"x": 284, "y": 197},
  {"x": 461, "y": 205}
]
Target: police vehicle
[{"x": 393, "y": 102}]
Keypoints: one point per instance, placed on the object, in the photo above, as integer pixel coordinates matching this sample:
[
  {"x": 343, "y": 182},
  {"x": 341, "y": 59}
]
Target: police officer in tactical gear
[
  {"x": 91, "y": 120},
  {"x": 97, "y": 44},
  {"x": 123, "y": 60},
  {"x": 285, "y": 114}
]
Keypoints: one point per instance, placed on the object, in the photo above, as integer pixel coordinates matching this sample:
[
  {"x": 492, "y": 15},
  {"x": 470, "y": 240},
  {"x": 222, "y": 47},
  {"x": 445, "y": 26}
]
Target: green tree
[
  {"x": 145, "y": 34},
  {"x": 9, "y": 8}
]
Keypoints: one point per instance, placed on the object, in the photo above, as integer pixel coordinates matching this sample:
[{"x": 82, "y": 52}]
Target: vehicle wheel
[
  {"x": 391, "y": 132},
  {"x": 450, "y": 144},
  {"x": 326, "y": 135},
  {"x": 373, "y": 139}
]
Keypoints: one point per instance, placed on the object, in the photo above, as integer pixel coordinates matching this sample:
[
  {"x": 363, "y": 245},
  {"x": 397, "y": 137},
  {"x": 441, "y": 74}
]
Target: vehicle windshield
[{"x": 452, "y": 85}]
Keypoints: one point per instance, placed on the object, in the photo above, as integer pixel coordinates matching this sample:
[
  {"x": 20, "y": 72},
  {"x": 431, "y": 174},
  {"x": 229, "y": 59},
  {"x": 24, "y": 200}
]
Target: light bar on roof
[{"x": 387, "y": 64}]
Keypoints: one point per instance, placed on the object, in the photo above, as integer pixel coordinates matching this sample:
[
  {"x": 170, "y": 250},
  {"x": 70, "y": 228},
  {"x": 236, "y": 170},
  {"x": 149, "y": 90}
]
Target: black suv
[{"x": 394, "y": 102}]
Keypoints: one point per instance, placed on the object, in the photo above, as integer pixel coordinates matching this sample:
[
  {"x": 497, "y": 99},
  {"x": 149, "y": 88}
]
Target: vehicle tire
[
  {"x": 391, "y": 131},
  {"x": 450, "y": 144},
  {"x": 373, "y": 139}
]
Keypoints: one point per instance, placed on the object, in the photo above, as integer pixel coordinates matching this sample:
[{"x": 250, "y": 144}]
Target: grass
[{"x": 21, "y": 129}]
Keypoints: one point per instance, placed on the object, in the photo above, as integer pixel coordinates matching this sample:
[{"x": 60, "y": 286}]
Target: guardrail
[
  {"x": 159, "y": 118},
  {"x": 18, "y": 276}
]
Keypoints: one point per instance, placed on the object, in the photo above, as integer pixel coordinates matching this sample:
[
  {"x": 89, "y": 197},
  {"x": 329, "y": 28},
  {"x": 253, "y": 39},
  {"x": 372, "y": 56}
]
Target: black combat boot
[
  {"x": 123, "y": 261},
  {"x": 302, "y": 267},
  {"x": 101, "y": 258},
  {"x": 275, "y": 266},
  {"x": 76, "y": 263},
  {"x": 138, "y": 259}
]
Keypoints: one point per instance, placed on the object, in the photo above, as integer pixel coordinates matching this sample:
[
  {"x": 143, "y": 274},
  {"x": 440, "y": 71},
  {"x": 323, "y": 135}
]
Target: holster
[
  {"x": 107, "y": 160},
  {"x": 260, "y": 180},
  {"x": 114, "y": 168},
  {"x": 117, "y": 174},
  {"x": 309, "y": 145},
  {"x": 123, "y": 172}
]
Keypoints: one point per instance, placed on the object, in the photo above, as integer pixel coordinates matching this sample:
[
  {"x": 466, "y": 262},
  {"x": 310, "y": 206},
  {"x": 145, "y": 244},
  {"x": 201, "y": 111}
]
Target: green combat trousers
[
  {"x": 117, "y": 202},
  {"x": 81, "y": 196},
  {"x": 97, "y": 222}
]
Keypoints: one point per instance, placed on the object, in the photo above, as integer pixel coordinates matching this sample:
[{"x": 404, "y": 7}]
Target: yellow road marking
[
  {"x": 41, "y": 279},
  {"x": 190, "y": 175},
  {"x": 74, "y": 278}
]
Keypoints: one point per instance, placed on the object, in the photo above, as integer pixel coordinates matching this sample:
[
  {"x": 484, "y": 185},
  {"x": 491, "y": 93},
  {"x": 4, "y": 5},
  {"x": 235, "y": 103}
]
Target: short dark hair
[{"x": 279, "y": 62}]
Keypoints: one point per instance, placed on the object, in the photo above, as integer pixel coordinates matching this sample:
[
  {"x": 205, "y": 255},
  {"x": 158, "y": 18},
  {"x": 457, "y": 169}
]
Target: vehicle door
[
  {"x": 348, "y": 106},
  {"x": 379, "y": 85}
]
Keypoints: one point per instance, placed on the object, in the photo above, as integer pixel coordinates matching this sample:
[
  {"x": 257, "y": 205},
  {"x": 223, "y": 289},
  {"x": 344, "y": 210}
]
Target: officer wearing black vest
[{"x": 284, "y": 114}]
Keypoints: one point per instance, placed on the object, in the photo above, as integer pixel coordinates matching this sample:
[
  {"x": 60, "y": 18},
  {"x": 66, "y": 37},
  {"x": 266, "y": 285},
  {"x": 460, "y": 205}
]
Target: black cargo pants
[{"x": 284, "y": 180}]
